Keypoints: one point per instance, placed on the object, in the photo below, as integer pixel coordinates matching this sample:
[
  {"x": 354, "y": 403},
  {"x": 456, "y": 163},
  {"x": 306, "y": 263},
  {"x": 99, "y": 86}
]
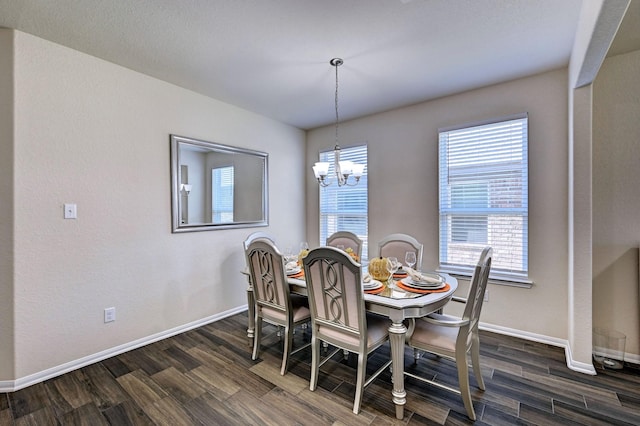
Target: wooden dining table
[{"x": 397, "y": 305}]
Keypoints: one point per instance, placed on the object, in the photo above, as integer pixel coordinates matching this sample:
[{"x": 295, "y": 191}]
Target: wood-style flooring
[{"x": 206, "y": 377}]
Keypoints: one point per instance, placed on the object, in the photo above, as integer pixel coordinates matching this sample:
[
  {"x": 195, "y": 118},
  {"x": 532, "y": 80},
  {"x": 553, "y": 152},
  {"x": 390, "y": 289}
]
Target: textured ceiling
[{"x": 272, "y": 57}]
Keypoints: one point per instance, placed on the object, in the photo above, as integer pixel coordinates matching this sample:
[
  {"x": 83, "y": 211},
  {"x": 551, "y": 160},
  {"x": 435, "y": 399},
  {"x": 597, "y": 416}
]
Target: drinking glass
[
  {"x": 392, "y": 267},
  {"x": 410, "y": 258},
  {"x": 288, "y": 254}
]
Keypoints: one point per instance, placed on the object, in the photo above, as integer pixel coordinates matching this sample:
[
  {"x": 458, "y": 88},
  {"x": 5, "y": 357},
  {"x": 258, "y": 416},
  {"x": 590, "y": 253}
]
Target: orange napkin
[
  {"x": 298, "y": 275},
  {"x": 425, "y": 291},
  {"x": 400, "y": 275}
]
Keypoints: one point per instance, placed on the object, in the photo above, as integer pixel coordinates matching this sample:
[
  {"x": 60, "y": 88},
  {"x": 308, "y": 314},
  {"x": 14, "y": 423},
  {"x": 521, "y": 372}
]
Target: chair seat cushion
[
  {"x": 435, "y": 338},
  {"x": 377, "y": 332},
  {"x": 299, "y": 306}
]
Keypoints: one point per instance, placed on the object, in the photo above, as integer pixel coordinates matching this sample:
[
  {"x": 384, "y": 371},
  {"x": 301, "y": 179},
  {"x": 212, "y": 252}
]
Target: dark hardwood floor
[{"x": 206, "y": 376}]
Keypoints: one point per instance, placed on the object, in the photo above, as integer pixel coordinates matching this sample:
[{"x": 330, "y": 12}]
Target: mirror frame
[{"x": 176, "y": 224}]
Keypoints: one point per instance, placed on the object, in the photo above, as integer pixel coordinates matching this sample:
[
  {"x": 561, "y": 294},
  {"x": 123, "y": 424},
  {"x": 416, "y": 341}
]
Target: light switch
[{"x": 70, "y": 211}]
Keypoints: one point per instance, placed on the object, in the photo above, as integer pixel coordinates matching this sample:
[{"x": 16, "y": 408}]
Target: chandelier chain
[{"x": 336, "y": 101}]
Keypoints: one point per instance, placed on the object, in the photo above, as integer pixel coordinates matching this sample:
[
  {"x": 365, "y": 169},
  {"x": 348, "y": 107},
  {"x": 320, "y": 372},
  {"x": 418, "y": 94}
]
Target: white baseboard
[
  {"x": 572, "y": 364},
  {"x": 23, "y": 382}
]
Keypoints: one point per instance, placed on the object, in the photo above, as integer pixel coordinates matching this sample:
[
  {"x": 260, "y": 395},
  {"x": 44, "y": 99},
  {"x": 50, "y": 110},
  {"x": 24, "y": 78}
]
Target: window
[
  {"x": 484, "y": 197},
  {"x": 345, "y": 208},
  {"x": 222, "y": 194}
]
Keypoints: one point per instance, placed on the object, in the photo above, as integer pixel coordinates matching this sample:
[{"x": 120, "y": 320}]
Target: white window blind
[
  {"x": 484, "y": 196},
  {"x": 222, "y": 194},
  {"x": 345, "y": 208}
]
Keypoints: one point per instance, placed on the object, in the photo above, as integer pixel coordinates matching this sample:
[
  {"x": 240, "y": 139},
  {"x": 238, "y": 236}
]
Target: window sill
[{"x": 506, "y": 280}]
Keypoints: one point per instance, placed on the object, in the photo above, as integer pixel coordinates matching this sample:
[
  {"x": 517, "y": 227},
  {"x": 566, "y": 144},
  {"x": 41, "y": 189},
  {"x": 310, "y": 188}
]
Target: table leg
[
  {"x": 397, "y": 333},
  {"x": 251, "y": 318}
]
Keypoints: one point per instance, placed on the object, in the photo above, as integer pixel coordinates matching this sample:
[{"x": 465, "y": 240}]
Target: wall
[
  {"x": 96, "y": 134},
  {"x": 6, "y": 203},
  {"x": 616, "y": 199},
  {"x": 403, "y": 183}
]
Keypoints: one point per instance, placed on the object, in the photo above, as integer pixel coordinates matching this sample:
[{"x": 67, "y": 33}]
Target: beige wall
[
  {"x": 6, "y": 203},
  {"x": 616, "y": 198},
  {"x": 403, "y": 183},
  {"x": 96, "y": 134}
]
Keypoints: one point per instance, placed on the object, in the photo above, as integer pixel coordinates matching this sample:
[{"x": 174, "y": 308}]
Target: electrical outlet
[
  {"x": 486, "y": 295},
  {"x": 109, "y": 314}
]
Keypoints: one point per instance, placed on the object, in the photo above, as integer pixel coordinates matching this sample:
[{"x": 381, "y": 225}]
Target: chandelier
[{"x": 343, "y": 169}]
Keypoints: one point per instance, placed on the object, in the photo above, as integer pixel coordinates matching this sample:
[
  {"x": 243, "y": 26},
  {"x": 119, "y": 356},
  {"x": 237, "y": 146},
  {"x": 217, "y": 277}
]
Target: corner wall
[{"x": 616, "y": 198}]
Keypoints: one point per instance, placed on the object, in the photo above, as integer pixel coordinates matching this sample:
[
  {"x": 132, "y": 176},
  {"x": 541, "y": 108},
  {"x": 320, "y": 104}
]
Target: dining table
[{"x": 396, "y": 302}]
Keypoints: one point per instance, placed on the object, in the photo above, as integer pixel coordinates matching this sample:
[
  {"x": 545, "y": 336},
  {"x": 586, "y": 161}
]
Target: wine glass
[
  {"x": 392, "y": 267},
  {"x": 304, "y": 246},
  {"x": 410, "y": 258},
  {"x": 288, "y": 254},
  {"x": 340, "y": 247}
]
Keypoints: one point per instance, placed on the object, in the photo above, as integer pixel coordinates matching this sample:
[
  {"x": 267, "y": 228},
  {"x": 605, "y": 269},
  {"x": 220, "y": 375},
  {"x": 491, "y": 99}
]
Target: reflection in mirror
[{"x": 216, "y": 186}]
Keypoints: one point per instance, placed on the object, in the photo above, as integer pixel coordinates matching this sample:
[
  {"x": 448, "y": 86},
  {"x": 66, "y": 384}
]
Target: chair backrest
[
  {"x": 477, "y": 289},
  {"x": 336, "y": 298},
  {"x": 255, "y": 235},
  {"x": 267, "y": 272},
  {"x": 346, "y": 239},
  {"x": 397, "y": 245}
]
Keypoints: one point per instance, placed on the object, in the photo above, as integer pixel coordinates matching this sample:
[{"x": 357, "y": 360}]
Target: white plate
[
  {"x": 372, "y": 285},
  {"x": 293, "y": 271},
  {"x": 423, "y": 286}
]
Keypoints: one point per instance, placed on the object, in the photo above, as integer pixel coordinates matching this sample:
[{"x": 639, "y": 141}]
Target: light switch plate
[{"x": 70, "y": 211}]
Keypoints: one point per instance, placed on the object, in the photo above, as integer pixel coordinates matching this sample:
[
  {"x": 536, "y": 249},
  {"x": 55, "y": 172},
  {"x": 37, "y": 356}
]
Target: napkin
[
  {"x": 291, "y": 265},
  {"x": 420, "y": 277}
]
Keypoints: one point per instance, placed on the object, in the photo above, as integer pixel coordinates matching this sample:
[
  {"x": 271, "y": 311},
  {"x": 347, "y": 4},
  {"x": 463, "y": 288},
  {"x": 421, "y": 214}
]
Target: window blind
[
  {"x": 222, "y": 194},
  {"x": 484, "y": 196},
  {"x": 345, "y": 208}
]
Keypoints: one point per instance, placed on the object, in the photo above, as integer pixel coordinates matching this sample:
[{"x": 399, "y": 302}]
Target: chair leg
[
  {"x": 315, "y": 362},
  {"x": 288, "y": 344},
  {"x": 362, "y": 370},
  {"x": 463, "y": 379},
  {"x": 475, "y": 361},
  {"x": 257, "y": 336}
]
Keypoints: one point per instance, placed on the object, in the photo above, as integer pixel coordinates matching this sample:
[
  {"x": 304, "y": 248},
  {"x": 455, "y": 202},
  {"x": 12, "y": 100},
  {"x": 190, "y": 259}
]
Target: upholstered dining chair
[
  {"x": 346, "y": 239},
  {"x": 453, "y": 338},
  {"x": 338, "y": 316},
  {"x": 273, "y": 301},
  {"x": 397, "y": 245}
]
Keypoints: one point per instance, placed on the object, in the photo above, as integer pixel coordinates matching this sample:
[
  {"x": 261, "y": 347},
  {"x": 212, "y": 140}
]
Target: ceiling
[{"x": 272, "y": 57}]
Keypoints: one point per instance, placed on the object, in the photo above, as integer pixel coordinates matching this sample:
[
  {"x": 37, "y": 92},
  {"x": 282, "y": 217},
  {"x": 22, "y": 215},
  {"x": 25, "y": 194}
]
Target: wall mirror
[{"x": 216, "y": 186}]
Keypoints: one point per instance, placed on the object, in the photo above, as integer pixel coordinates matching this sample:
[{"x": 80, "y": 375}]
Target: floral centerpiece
[
  {"x": 303, "y": 253},
  {"x": 353, "y": 254}
]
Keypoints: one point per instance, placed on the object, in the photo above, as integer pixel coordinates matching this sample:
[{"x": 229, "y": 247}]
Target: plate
[
  {"x": 371, "y": 285},
  {"x": 423, "y": 285},
  {"x": 294, "y": 271}
]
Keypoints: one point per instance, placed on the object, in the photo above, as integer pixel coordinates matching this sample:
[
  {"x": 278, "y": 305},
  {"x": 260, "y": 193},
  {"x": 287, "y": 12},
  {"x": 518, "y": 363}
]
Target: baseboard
[
  {"x": 14, "y": 385},
  {"x": 581, "y": 367},
  {"x": 23, "y": 382}
]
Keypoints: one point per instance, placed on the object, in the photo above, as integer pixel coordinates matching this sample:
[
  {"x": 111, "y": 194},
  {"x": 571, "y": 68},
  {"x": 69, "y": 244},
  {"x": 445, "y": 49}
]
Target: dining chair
[
  {"x": 338, "y": 315},
  {"x": 453, "y": 338},
  {"x": 273, "y": 301},
  {"x": 348, "y": 240},
  {"x": 397, "y": 245}
]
